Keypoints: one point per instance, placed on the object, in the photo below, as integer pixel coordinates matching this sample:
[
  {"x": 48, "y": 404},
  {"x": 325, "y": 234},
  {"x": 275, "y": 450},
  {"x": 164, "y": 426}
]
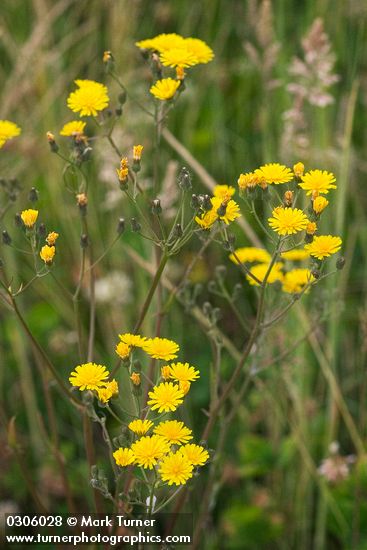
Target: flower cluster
[
  {"x": 289, "y": 222},
  {"x": 178, "y": 53}
]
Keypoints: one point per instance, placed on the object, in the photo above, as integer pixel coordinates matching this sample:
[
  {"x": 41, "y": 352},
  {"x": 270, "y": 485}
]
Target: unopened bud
[
  {"x": 184, "y": 179},
  {"x": 288, "y": 198},
  {"x": 195, "y": 203},
  {"x": 33, "y": 195},
  {"x": 18, "y": 220},
  {"x": 51, "y": 140},
  {"x": 315, "y": 273},
  {"x": 6, "y": 237},
  {"x": 118, "y": 111},
  {"x": 177, "y": 232},
  {"x": 120, "y": 226},
  {"x": 135, "y": 225},
  {"x": 156, "y": 207},
  {"x": 308, "y": 238},
  {"x": 311, "y": 228},
  {"x": 222, "y": 209},
  {"x": 122, "y": 97},
  {"x": 84, "y": 241},
  {"x": 206, "y": 203},
  {"x": 340, "y": 263},
  {"x": 41, "y": 230},
  {"x": 299, "y": 169}
]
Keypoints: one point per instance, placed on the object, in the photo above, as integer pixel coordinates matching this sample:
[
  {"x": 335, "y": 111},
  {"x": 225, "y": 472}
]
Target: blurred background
[{"x": 288, "y": 83}]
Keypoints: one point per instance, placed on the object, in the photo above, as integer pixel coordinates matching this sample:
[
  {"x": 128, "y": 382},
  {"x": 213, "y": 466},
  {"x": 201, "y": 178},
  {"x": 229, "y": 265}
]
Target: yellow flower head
[
  {"x": 249, "y": 180},
  {"x": 135, "y": 378},
  {"x": 199, "y": 49},
  {"x": 89, "y": 376},
  {"x": 296, "y": 279},
  {"x": 140, "y": 427},
  {"x": 260, "y": 270},
  {"x": 175, "y": 468},
  {"x": 182, "y": 372},
  {"x": 165, "y": 88},
  {"x": 110, "y": 389},
  {"x": 123, "y": 350},
  {"x": 162, "y": 42},
  {"x": 149, "y": 449},
  {"x": 123, "y": 171},
  {"x": 165, "y": 397},
  {"x": 75, "y": 127},
  {"x": 320, "y": 181},
  {"x": 133, "y": 340},
  {"x": 175, "y": 432},
  {"x": 224, "y": 192},
  {"x": 52, "y": 238},
  {"x": 89, "y": 98},
  {"x": 207, "y": 219},
  {"x": 29, "y": 217},
  {"x": 311, "y": 228},
  {"x": 161, "y": 348},
  {"x": 8, "y": 130},
  {"x": 286, "y": 221},
  {"x": 196, "y": 454},
  {"x": 250, "y": 254},
  {"x": 178, "y": 57},
  {"x": 323, "y": 246},
  {"x": 47, "y": 254},
  {"x": 319, "y": 204},
  {"x": 107, "y": 56},
  {"x": 165, "y": 372},
  {"x": 232, "y": 210},
  {"x": 124, "y": 457},
  {"x": 274, "y": 173},
  {"x": 299, "y": 169},
  {"x": 137, "y": 151},
  {"x": 296, "y": 255}
]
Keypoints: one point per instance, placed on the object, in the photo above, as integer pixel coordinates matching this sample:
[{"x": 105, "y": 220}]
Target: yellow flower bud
[
  {"x": 165, "y": 372},
  {"x": 135, "y": 379},
  {"x": 51, "y": 238},
  {"x": 123, "y": 350},
  {"x": 319, "y": 204},
  {"x": 29, "y": 217},
  {"x": 137, "y": 151},
  {"x": 47, "y": 254},
  {"x": 311, "y": 228},
  {"x": 299, "y": 169}
]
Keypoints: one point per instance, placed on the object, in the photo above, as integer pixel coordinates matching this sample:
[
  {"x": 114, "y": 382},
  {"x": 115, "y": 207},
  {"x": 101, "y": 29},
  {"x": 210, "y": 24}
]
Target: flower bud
[
  {"x": 288, "y": 198},
  {"x": 222, "y": 209},
  {"x": 33, "y": 195},
  {"x": 299, "y": 169},
  {"x": 118, "y": 111},
  {"x": 82, "y": 202},
  {"x": 177, "y": 232},
  {"x": 315, "y": 273},
  {"x": 184, "y": 179},
  {"x": 135, "y": 225},
  {"x": 206, "y": 203},
  {"x": 122, "y": 97},
  {"x": 42, "y": 230},
  {"x": 6, "y": 237},
  {"x": 120, "y": 226},
  {"x": 51, "y": 140},
  {"x": 319, "y": 204},
  {"x": 18, "y": 220},
  {"x": 165, "y": 372},
  {"x": 156, "y": 207},
  {"x": 135, "y": 378},
  {"x": 84, "y": 241},
  {"x": 340, "y": 263},
  {"x": 195, "y": 203},
  {"x": 311, "y": 228},
  {"x": 308, "y": 238}
]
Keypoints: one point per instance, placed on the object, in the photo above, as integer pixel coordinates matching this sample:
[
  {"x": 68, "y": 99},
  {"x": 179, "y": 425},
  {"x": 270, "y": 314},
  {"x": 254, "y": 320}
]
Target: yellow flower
[
  {"x": 259, "y": 271},
  {"x": 137, "y": 151},
  {"x": 47, "y": 254},
  {"x": 295, "y": 280},
  {"x": 165, "y": 372},
  {"x": 162, "y": 42},
  {"x": 140, "y": 427},
  {"x": 299, "y": 169},
  {"x": 29, "y": 217},
  {"x": 249, "y": 254},
  {"x": 311, "y": 228},
  {"x": 124, "y": 457},
  {"x": 178, "y": 57},
  {"x": 199, "y": 49},
  {"x": 224, "y": 192},
  {"x": 123, "y": 171},
  {"x": 196, "y": 454},
  {"x": 248, "y": 180},
  {"x": 175, "y": 432},
  {"x": 232, "y": 211},
  {"x": 323, "y": 246},
  {"x": 319, "y": 204},
  {"x": 107, "y": 56},
  {"x": 149, "y": 449},
  {"x": 207, "y": 219},
  {"x": 135, "y": 378},
  {"x": 165, "y": 88},
  {"x": 274, "y": 173},
  {"x": 295, "y": 255},
  {"x": 165, "y": 397},
  {"x": 110, "y": 389},
  {"x": 73, "y": 128},
  {"x": 8, "y": 130},
  {"x": 175, "y": 468},
  {"x": 286, "y": 221},
  {"x": 89, "y": 98},
  {"x": 133, "y": 340},
  {"x": 123, "y": 350},
  {"x": 161, "y": 348},
  {"x": 182, "y": 372},
  {"x": 52, "y": 238},
  {"x": 89, "y": 376},
  {"x": 320, "y": 181}
]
